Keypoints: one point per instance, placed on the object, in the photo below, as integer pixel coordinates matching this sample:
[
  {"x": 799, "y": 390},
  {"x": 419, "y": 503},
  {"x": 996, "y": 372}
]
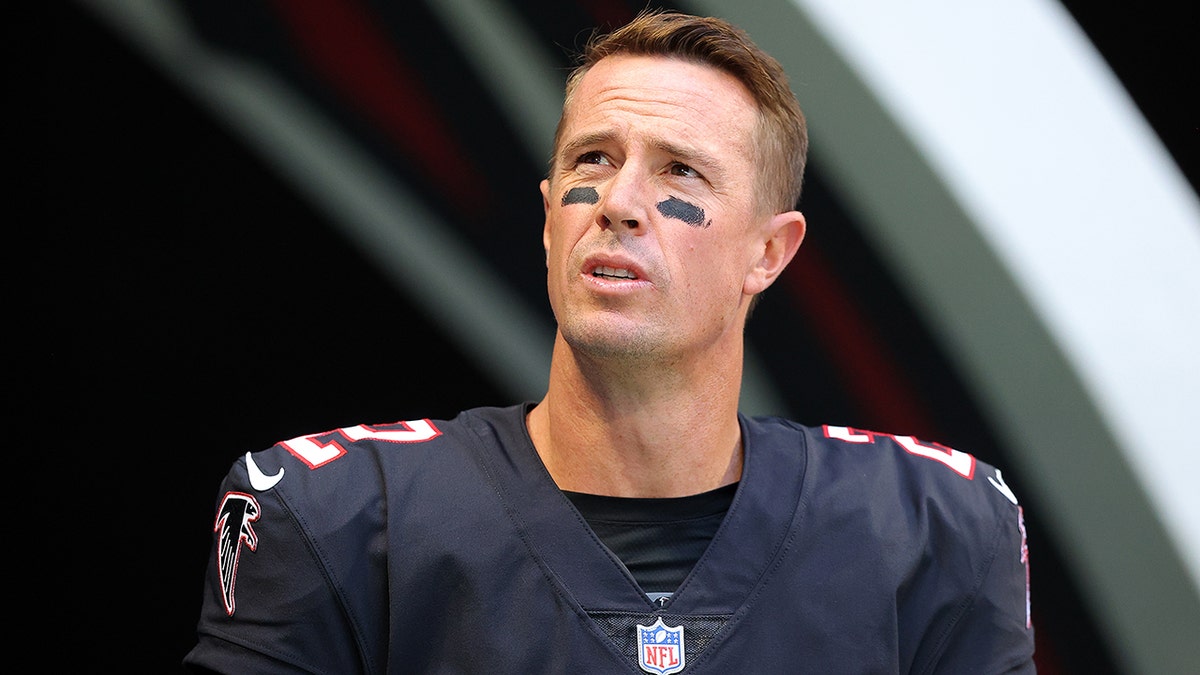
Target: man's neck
[{"x": 640, "y": 432}]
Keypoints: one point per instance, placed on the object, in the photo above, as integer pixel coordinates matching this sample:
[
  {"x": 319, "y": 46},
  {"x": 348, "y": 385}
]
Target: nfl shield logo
[{"x": 660, "y": 648}]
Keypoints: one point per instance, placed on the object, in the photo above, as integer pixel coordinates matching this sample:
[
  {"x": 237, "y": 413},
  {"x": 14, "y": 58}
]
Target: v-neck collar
[{"x": 739, "y": 558}]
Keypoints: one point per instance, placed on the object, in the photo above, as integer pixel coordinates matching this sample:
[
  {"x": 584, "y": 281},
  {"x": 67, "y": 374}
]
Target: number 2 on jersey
[
  {"x": 316, "y": 453},
  {"x": 962, "y": 463}
]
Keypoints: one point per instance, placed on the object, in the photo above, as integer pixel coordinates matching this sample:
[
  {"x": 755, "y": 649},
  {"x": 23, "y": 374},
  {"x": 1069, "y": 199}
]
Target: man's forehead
[
  {"x": 658, "y": 72},
  {"x": 667, "y": 98}
]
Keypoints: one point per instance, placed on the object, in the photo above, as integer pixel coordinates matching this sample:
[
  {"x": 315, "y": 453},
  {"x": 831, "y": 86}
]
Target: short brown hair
[{"x": 782, "y": 138}]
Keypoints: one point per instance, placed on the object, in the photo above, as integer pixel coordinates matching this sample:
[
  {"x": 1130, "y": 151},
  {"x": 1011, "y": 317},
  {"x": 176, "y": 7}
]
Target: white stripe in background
[
  {"x": 1069, "y": 185},
  {"x": 520, "y": 75}
]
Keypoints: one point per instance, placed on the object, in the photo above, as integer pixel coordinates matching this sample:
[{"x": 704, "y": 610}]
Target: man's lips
[
  {"x": 613, "y": 269},
  {"x": 613, "y": 273}
]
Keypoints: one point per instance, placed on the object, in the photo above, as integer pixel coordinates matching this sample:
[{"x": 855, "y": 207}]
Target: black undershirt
[{"x": 659, "y": 540}]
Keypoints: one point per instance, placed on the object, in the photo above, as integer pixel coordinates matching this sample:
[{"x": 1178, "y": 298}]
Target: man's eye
[
  {"x": 680, "y": 169},
  {"x": 592, "y": 157}
]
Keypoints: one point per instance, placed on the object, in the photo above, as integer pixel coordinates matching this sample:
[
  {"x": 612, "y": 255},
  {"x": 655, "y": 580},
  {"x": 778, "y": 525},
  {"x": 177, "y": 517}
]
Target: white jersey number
[
  {"x": 315, "y": 453},
  {"x": 962, "y": 463}
]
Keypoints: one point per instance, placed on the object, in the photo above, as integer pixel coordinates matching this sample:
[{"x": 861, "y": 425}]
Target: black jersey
[{"x": 446, "y": 547}]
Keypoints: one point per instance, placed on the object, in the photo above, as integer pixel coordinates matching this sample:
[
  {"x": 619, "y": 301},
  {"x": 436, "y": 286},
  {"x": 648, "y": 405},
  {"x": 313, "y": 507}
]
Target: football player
[{"x": 632, "y": 520}]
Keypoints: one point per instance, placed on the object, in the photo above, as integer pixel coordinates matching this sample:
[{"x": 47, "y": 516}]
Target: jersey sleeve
[
  {"x": 269, "y": 605},
  {"x": 995, "y": 631}
]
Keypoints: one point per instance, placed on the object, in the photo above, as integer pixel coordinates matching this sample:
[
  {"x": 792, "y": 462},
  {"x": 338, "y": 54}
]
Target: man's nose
[{"x": 624, "y": 201}]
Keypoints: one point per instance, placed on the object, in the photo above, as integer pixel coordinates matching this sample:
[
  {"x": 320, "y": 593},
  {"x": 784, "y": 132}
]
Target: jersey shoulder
[
  {"x": 928, "y": 524},
  {"x": 304, "y": 523},
  {"x": 349, "y": 469},
  {"x": 871, "y": 469}
]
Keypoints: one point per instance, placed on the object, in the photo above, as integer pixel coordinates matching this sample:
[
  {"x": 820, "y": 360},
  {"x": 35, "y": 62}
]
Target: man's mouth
[{"x": 613, "y": 273}]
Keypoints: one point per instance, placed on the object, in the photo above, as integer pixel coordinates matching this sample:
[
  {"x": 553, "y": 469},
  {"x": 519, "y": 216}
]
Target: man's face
[{"x": 652, "y": 232}]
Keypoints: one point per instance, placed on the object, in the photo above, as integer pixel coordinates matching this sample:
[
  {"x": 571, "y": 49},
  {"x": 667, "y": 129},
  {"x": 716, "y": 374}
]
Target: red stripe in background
[
  {"x": 359, "y": 62},
  {"x": 867, "y": 369}
]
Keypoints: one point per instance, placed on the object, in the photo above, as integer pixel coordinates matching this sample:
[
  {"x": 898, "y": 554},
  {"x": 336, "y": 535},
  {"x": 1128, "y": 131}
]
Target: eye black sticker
[
  {"x": 580, "y": 195},
  {"x": 674, "y": 207}
]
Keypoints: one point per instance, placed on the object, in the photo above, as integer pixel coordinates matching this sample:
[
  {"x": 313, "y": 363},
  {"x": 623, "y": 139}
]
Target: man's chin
[{"x": 610, "y": 339}]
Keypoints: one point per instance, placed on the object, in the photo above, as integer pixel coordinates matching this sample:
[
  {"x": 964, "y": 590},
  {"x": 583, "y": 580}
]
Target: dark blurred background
[{"x": 183, "y": 301}]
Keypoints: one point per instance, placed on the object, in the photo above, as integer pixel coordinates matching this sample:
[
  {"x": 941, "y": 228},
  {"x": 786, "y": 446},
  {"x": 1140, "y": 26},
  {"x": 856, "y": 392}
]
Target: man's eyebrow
[
  {"x": 573, "y": 145},
  {"x": 687, "y": 155}
]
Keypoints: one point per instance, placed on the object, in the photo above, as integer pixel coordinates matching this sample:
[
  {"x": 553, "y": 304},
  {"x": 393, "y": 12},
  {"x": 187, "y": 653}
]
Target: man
[{"x": 632, "y": 520}]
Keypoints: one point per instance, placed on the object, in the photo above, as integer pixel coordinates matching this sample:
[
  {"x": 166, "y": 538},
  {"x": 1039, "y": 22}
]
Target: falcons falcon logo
[{"x": 238, "y": 510}]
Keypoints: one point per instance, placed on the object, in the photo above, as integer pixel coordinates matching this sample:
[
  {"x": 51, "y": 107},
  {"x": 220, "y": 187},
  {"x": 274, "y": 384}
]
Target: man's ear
[
  {"x": 545, "y": 188},
  {"x": 783, "y": 236}
]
